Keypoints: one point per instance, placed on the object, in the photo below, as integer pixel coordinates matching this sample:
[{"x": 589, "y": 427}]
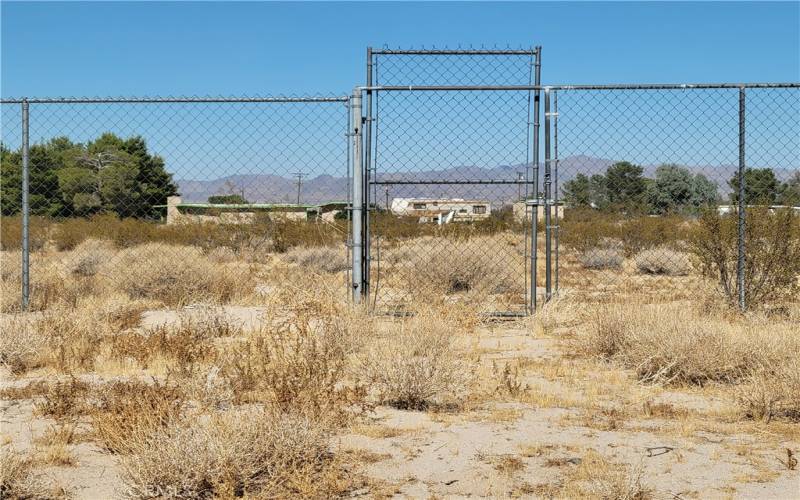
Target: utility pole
[
  {"x": 299, "y": 176},
  {"x": 386, "y": 190},
  {"x": 520, "y": 177}
]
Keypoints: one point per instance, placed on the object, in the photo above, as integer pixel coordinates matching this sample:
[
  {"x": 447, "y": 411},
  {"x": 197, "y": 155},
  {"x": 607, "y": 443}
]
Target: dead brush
[
  {"x": 664, "y": 261},
  {"x": 597, "y": 477},
  {"x": 20, "y": 343},
  {"x": 17, "y": 480},
  {"x": 326, "y": 259},
  {"x": 453, "y": 265},
  {"x": 416, "y": 364},
  {"x": 244, "y": 452},
  {"x": 174, "y": 275},
  {"x": 125, "y": 411},
  {"x": 64, "y": 399},
  {"x": 186, "y": 343},
  {"x": 298, "y": 363},
  {"x": 679, "y": 344},
  {"x": 602, "y": 258},
  {"x": 772, "y": 391},
  {"x": 89, "y": 257}
]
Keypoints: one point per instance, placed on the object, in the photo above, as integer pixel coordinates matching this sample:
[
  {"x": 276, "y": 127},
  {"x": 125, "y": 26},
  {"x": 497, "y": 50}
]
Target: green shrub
[{"x": 772, "y": 254}]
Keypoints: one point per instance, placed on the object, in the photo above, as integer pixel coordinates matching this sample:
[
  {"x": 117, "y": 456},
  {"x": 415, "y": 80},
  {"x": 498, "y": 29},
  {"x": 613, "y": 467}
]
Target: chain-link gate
[
  {"x": 448, "y": 146},
  {"x": 151, "y": 182}
]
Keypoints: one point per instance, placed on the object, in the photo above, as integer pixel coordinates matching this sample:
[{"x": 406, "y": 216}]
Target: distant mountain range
[{"x": 269, "y": 188}]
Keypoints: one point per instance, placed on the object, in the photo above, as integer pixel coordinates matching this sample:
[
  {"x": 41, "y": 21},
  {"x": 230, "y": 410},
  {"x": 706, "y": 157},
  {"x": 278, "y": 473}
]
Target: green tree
[
  {"x": 674, "y": 188},
  {"x": 577, "y": 192},
  {"x": 228, "y": 199},
  {"x": 761, "y": 187},
  {"x": 790, "y": 191},
  {"x": 625, "y": 185}
]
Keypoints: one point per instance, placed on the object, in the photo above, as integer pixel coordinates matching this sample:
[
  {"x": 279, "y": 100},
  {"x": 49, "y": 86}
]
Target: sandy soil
[{"x": 505, "y": 446}]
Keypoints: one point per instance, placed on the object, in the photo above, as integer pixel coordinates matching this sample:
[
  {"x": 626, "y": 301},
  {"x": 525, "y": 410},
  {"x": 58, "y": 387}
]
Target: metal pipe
[
  {"x": 463, "y": 52},
  {"x": 25, "y": 207},
  {"x": 535, "y": 207},
  {"x": 434, "y": 182},
  {"x": 740, "y": 264},
  {"x": 548, "y": 286},
  {"x": 357, "y": 197},
  {"x": 367, "y": 262},
  {"x": 621, "y": 86},
  {"x": 655, "y": 86},
  {"x": 557, "y": 226}
]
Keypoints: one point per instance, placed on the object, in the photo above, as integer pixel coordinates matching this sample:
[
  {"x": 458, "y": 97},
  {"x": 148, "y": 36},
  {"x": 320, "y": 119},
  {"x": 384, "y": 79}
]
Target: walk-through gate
[{"x": 448, "y": 150}]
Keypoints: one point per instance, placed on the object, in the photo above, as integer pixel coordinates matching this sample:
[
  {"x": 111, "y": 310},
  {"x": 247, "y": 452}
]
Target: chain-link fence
[
  {"x": 635, "y": 168},
  {"x": 142, "y": 186},
  {"x": 431, "y": 174}
]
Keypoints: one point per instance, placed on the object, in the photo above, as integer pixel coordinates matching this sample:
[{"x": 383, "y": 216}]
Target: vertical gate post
[
  {"x": 535, "y": 205},
  {"x": 367, "y": 149},
  {"x": 548, "y": 257},
  {"x": 357, "y": 197},
  {"x": 741, "y": 263},
  {"x": 557, "y": 225},
  {"x": 25, "y": 209}
]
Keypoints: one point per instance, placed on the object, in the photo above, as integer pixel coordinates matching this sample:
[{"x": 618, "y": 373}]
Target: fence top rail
[
  {"x": 652, "y": 86},
  {"x": 157, "y": 100},
  {"x": 457, "y": 52}
]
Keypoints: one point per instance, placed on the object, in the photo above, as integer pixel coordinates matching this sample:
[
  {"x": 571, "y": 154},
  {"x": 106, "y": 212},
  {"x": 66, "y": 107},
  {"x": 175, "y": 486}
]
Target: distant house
[
  {"x": 229, "y": 213},
  {"x": 442, "y": 210},
  {"x": 522, "y": 212},
  {"x": 732, "y": 209}
]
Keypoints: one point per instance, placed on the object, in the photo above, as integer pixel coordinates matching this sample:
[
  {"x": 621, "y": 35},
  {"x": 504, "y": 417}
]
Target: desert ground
[{"x": 165, "y": 370}]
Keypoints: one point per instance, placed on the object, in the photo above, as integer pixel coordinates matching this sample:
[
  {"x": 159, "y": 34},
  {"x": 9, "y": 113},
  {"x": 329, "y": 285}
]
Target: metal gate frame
[{"x": 365, "y": 174}]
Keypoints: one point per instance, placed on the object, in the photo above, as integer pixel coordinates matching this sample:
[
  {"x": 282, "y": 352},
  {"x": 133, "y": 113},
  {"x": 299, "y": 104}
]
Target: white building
[{"x": 442, "y": 210}]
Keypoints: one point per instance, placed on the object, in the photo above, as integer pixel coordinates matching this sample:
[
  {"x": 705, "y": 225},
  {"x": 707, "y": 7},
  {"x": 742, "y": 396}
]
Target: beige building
[
  {"x": 179, "y": 212},
  {"x": 522, "y": 212},
  {"x": 442, "y": 210}
]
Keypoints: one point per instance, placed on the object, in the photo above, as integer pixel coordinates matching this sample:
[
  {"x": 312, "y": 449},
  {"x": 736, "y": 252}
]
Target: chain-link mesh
[
  {"x": 637, "y": 168},
  {"x": 450, "y": 171},
  {"x": 152, "y": 183}
]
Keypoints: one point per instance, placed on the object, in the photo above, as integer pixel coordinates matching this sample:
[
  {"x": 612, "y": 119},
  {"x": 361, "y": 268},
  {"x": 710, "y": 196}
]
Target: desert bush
[
  {"x": 326, "y": 259},
  {"x": 772, "y": 254},
  {"x": 416, "y": 364},
  {"x": 89, "y": 256},
  {"x": 244, "y": 452},
  {"x": 488, "y": 264},
  {"x": 175, "y": 275},
  {"x": 772, "y": 391},
  {"x": 11, "y": 232},
  {"x": 20, "y": 343},
  {"x": 17, "y": 480},
  {"x": 680, "y": 345},
  {"x": 602, "y": 258},
  {"x": 126, "y": 411},
  {"x": 663, "y": 260},
  {"x": 50, "y": 285},
  {"x": 64, "y": 398},
  {"x": 299, "y": 362},
  {"x": 184, "y": 344}
]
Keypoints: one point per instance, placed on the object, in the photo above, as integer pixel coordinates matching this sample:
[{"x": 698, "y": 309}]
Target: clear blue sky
[
  {"x": 181, "y": 48},
  {"x": 146, "y": 48}
]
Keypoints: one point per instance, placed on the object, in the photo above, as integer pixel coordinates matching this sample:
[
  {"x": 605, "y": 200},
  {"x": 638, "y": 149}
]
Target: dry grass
[
  {"x": 20, "y": 343},
  {"x": 90, "y": 256},
  {"x": 325, "y": 259},
  {"x": 173, "y": 275},
  {"x": 17, "y": 480},
  {"x": 679, "y": 344},
  {"x": 485, "y": 264},
  {"x": 417, "y": 364},
  {"x": 663, "y": 260},
  {"x": 597, "y": 477},
  {"x": 246, "y": 452},
  {"x": 602, "y": 258}
]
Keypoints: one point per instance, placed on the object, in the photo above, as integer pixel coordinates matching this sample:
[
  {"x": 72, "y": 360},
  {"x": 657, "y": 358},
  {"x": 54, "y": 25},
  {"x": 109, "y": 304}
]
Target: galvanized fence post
[
  {"x": 535, "y": 204},
  {"x": 742, "y": 212},
  {"x": 548, "y": 271},
  {"x": 357, "y": 197},
  {"x": 25, "y": 209}
]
